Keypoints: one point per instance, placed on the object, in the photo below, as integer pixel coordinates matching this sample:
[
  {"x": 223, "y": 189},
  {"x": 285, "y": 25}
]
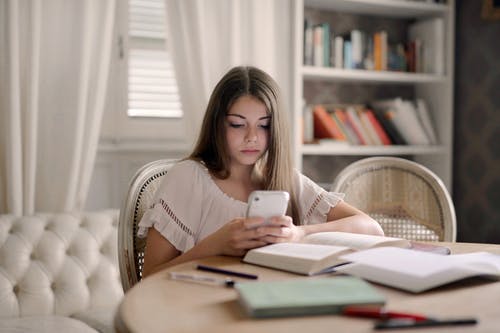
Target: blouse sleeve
[
  {"x": 314, "y": 201},
  {"x": 176, "y": 210}
]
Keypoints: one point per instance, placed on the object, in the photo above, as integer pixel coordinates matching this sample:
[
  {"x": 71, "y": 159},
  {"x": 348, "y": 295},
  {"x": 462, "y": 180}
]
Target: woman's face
[{"x": 247, "y": 130}]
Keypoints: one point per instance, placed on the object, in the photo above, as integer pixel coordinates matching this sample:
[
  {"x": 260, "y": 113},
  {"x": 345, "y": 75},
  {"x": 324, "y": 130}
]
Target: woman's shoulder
[
  {"x": 305, "y": 186},
  {"x": 187, "y": 165},
  {"x": 190, "y": 169}
]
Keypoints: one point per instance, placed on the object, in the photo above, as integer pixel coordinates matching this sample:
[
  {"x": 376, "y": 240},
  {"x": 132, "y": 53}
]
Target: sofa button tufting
[{"x": 48, "y": 251}]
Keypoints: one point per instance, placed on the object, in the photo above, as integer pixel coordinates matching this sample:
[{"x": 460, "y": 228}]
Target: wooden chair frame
[{"x": 138, "y": 199}]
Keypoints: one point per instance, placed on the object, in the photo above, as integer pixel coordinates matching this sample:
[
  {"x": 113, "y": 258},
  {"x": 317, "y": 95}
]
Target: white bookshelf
[{"x": 435, "y": 89}]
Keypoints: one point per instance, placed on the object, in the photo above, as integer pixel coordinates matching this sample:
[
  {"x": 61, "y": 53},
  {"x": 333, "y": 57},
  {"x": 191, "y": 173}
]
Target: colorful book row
[
  {"x": 386, "y": 122},
  {"x": 423, "y": 51}
]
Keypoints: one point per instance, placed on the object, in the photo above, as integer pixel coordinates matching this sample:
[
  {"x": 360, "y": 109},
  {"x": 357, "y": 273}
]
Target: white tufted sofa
[{"x": 59, "y": 272}]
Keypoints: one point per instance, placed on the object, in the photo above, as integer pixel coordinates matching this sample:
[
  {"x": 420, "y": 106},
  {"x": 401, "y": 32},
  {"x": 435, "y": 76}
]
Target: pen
[
  {"x": 411, "y": 323},
  {"x": 381, "y": 313},
  {"x": 227, "y": 282},
  {"x": 227, "y": 272}
]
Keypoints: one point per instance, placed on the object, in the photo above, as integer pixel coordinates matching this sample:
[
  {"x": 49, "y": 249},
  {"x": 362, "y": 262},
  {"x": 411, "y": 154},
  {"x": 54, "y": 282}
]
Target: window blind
[{"x": 152, "y": 86}]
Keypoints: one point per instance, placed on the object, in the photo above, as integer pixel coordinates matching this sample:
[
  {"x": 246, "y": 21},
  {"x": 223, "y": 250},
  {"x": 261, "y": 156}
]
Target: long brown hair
[{"x": 275, "y": 167}]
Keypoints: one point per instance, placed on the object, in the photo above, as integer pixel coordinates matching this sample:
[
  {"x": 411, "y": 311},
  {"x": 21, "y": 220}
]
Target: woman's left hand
[{"x": 281, "y": 229}]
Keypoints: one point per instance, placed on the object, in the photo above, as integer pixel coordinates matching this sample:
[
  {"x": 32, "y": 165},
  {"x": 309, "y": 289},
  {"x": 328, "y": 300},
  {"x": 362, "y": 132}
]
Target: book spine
[
  {"x": 340, "y": 127},
  {"x": 348, "y": 54},
  {"x": 339, "y": 52},
  {"x": 351, "y": 135},
  {"x": 368, "y": 128},
  {"x": 326, "y": 44},
  {"x": 379, "y": 129},
  {"x": 318, "y": 46},
  {"x": 384, "y": 49},
  {"x": 308, "y": 44},
  {"x": 356, "y": 125},
  {"x": 324, "y": 126},
  {"x": 430, "y": 33},
  {"x": 425, "y": 119},
  {"x": 385, "y": 117},
  {"x": 377, "y": 49},
  {"x": 357, "y": 49}
]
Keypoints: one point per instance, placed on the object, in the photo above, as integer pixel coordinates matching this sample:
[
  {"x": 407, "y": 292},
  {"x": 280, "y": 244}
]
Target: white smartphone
[{"x": 267, "y": 204}]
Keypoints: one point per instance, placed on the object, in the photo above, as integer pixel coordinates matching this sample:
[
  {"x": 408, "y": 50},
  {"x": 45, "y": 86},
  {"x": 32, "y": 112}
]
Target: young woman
[{"x": 243, "y": 146}]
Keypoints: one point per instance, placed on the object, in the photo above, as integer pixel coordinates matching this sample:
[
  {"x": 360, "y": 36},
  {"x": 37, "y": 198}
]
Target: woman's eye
[
  {"x": 265, "y": 126},
  {"x": 235, "y": 125}
]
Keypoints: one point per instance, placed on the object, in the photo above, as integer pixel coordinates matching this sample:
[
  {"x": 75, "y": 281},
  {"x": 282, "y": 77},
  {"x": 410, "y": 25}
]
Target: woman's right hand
[{"x": 236, "y": 237}]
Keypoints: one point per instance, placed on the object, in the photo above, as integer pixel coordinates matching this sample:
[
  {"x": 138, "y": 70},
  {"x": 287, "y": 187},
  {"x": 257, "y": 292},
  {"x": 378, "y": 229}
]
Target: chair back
[
  {"x": 406, "y": 198},
  {"x": 139, "y": 198}
]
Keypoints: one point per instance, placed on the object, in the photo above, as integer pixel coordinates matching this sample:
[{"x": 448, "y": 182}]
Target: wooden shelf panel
[
  {"x": 326, "y": 149},
  {"x": 386, "y": 8},
  {"x": 357, "y": 75}
]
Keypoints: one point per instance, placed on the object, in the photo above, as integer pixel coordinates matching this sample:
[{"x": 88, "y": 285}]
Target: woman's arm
[
  {"x": 346, "y": 218},
  {"x": 233, "y": 239},
  {"x": 343, "y": 217}
]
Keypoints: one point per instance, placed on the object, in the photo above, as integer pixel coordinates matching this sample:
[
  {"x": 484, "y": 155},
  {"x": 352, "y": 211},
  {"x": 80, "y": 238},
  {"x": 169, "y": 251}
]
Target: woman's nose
[{"x": 251, "y": 135}]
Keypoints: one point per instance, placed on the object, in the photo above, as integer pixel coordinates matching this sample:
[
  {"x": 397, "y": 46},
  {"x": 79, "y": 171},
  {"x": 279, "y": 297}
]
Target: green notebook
[{"x": 306, "y": 296}]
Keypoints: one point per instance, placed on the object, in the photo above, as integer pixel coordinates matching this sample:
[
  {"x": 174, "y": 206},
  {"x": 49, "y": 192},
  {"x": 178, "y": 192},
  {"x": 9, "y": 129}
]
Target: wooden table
[{"x": 158, "y": 304}]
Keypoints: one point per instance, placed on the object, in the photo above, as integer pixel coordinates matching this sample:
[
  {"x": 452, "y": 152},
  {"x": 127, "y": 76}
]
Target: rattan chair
[
  {"x": 407, "y": 199},
  {"x": 139, "y": 198}
]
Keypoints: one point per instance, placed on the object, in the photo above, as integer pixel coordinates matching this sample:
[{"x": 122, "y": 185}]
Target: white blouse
[{"x": 189, "y": 206}]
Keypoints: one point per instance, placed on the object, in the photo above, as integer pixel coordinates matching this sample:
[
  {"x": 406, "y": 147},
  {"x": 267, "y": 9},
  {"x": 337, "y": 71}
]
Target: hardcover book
[
  {"x": 318, "y": 252},
  {"x": 405, "y": 120},
  {"x": 325, "y": 126},
  {"x": 305, "y": 296}
]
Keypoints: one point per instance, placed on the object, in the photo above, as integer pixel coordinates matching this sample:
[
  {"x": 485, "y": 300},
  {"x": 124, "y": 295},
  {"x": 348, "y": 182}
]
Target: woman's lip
[{"x": 250, "y": 151}]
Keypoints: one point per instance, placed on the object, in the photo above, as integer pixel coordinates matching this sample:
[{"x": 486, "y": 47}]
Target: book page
[
  {"x": 354, "y": 241},
  {"x": 396, "y": 260},
  {"x": 299, "y": 258},
  {"x": 298, "y": 250},
  {"x": 486, "y": 262},
  {"x": 418, "y": 271}
]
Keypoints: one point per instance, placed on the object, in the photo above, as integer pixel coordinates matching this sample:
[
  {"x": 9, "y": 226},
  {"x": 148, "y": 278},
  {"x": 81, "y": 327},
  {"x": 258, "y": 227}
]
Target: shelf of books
[{"x": 374, "y": 78}]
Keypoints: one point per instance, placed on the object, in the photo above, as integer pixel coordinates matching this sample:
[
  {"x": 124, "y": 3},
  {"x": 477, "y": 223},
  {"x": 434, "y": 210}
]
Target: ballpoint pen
[
  {"x": 226, "y": 272},
  {"x": 380, "y": 313},
  {"x": 393, "y": 319},
  {"x": 201, "y": 279},
  {"x": 411, "y": 323}
]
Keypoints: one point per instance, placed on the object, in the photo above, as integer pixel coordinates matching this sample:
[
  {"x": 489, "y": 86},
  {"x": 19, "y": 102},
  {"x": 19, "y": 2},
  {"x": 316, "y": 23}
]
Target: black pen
[
  {"x": 411, "y": 323},
  {"x": 224, "y": 271}
]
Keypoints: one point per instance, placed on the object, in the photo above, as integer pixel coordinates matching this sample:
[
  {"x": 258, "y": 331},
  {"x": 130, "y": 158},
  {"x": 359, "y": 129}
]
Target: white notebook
[{"x": 417, "y": 271}]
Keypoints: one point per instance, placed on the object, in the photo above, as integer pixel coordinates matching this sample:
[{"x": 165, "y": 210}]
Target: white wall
[{"x": 114, "y": 168}]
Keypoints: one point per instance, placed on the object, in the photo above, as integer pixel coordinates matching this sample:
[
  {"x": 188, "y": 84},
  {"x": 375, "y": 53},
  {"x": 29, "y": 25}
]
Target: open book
[
  {"x": 317, "y": 252},
  {"x": 416, "y": 271}
]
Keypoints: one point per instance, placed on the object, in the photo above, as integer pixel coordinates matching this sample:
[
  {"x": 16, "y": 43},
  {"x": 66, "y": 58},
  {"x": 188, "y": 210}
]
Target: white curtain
[
  {"x": 54, "y": 64},
  {"x": 207, "y": 38}
]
